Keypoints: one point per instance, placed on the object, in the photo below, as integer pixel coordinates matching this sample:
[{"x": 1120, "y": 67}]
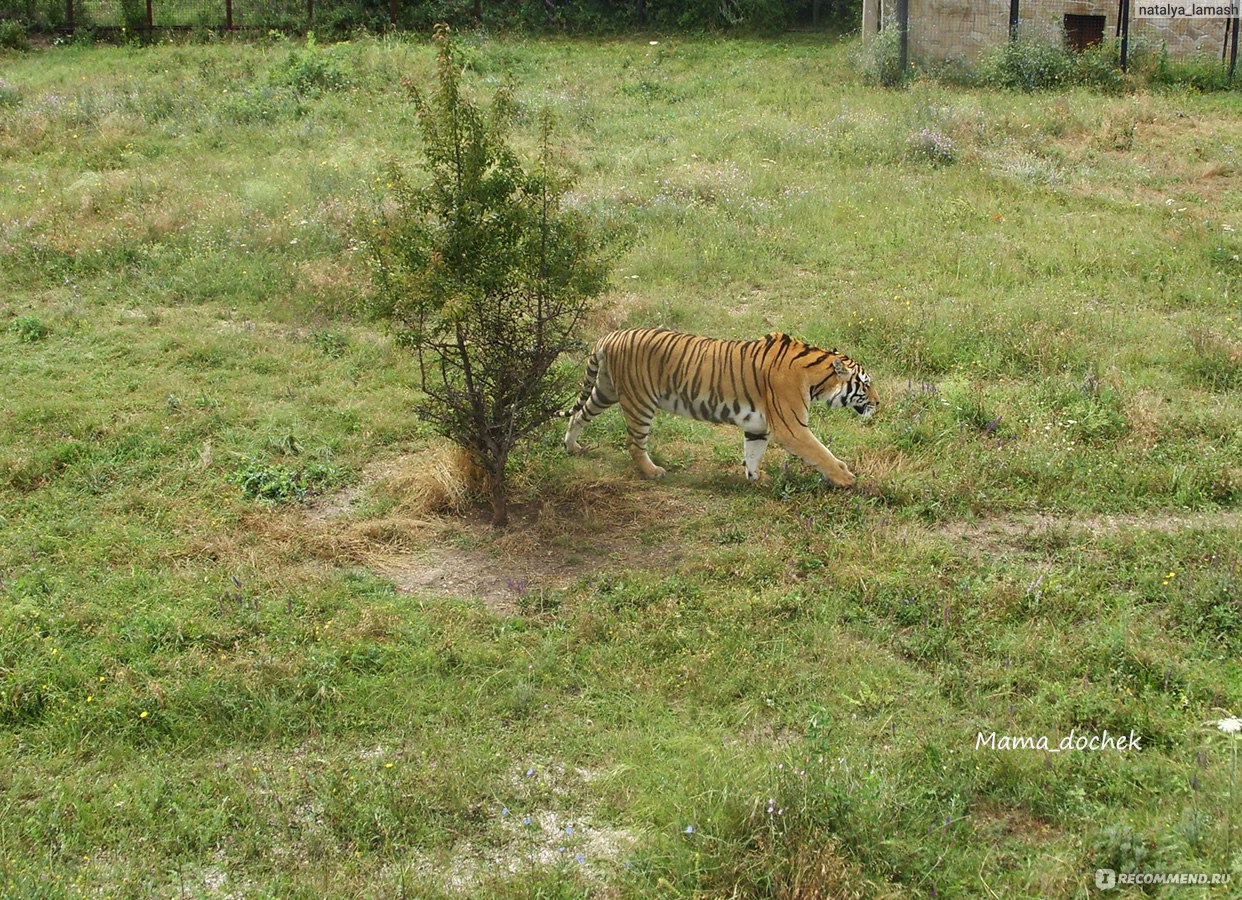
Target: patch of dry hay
[
  {"x": 441, "y": 478},
  {"x": 823, "y": 872}
]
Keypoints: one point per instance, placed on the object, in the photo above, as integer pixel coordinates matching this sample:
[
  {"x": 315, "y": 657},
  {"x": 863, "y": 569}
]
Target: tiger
[{"x": 764, "y": 387}]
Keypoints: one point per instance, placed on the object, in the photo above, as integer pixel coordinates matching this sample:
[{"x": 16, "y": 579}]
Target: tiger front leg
[
  {"x": 808, "y": 447},
  {"x": 756, "y": 443}
]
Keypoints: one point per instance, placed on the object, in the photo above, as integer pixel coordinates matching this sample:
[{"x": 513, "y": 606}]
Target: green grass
[{"x": 212, "y": 680}]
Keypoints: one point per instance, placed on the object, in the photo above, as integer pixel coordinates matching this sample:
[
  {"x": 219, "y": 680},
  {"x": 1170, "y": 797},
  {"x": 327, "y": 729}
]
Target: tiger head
[{"x": 852, "y": 387}]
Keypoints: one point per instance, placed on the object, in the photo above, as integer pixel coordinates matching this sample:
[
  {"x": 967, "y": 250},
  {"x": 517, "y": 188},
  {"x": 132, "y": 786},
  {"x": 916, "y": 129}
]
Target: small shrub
[
  {"x": 486, "y": 274},
  {"x": 1202, "y": 72},
  {"x": 954, "y": 71},
  {"x": 1027, "y": 65},
  {"x": 880, "y": 61},
  {"x": 311, "y": 71},
  {"x": 1121, "y": 848},
  {"x": 931, "y": 146},
  {"x": 331, "y": 344},
  {"x": 13, "y": 35},
  {"x": 29, "y": 329},
  {"x": 1096, "y": 419},
  {"x": 8, "y": 94},
  {"x": 1146, "y": 59},
  {"x": 277, "y": 483},
  {"x": 134, "y": 14},
  {"x": 1099, "y": 67},
  {"x": 352, "y": 16}
]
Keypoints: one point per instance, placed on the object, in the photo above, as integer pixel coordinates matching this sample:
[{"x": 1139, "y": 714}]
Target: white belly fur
[{"x": 746, "y": 418}]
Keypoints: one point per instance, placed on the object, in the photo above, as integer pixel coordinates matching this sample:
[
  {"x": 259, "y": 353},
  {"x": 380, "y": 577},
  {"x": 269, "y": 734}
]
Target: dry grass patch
[
  {"x": 441, "y": 478},
  {"x": 824, "y": 872},
  {"x": 882, "y": 464},
  {"x": 331, "y": 279}
]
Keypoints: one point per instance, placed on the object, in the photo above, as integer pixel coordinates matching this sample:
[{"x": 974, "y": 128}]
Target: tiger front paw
[{"x": 842, "y": 479}]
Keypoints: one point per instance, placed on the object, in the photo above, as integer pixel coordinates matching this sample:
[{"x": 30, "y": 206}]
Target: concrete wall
[
  {"x": 956, "y": 29},
  {"x": 961, "y": 29}
]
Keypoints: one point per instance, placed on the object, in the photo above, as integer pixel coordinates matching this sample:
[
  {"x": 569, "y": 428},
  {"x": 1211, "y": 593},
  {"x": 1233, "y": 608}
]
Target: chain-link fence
[{"x": 965, "y": 30}]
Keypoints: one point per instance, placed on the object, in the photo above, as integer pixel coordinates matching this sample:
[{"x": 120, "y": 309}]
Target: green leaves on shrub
[
  {"x": 311, "y": 71},
  {"x": 1024, "y": 65},
  {"x": 486, "y": 274},
  {"x": 13, "y": 35},
  {"x": 29, "y": 329},
  {"x": 276, "y": 483}
]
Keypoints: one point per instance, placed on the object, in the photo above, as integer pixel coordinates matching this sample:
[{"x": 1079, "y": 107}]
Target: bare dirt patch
[
  {"x": 606, "y": 527},
  {"x": 552, "y": 823},
  {"x": 995, "y": 820},
  {"x": 574, "y": 530}
]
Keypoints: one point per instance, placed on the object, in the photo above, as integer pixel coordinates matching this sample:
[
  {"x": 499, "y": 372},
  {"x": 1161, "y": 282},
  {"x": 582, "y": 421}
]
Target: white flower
[{"x": 1232, "y": 725}]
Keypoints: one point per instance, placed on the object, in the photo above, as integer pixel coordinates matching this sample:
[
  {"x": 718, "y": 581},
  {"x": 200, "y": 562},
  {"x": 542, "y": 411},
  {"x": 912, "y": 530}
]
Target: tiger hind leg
[
  {"x": 598, "y": 393},
  {"x": 638, "y": 426}
]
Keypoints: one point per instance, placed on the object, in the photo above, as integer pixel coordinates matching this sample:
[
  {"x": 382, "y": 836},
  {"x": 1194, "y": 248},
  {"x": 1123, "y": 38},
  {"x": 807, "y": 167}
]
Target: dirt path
[{"x": 1001, "y": 532}]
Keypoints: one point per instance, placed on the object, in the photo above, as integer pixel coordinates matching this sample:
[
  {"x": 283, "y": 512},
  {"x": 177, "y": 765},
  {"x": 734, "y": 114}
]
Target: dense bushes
[
  {"x": 12, "y": 35},
  {"x": 1034, "y": 66},
  {"x": 1027, "y": 66},
  {"x": 334, "y": 17}
]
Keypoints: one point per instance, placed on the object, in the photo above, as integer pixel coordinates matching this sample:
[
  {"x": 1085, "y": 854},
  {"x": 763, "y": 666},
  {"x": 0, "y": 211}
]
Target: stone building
[{"x": 964, "y": 29}]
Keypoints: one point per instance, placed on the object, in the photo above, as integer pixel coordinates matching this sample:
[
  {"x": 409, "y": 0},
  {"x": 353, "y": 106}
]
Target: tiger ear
[{"x": 839, "y": 367}]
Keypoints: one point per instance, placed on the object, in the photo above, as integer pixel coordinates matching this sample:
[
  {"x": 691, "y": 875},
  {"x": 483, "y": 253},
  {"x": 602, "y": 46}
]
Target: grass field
[{"x": 247, "y": 649}]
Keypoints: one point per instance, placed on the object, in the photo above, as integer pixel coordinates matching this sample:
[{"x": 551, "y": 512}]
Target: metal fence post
[
  {"x": 69, "y": 14},
  {"x": 903, "y": 24},
  {"x": 228, "y": 14},
  {"x": 1013, "y": 20},
  {"x": 150, "y": 20},
  {"x": 1233, "y": 49},
  {"x": 1125, "y": 34}
]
